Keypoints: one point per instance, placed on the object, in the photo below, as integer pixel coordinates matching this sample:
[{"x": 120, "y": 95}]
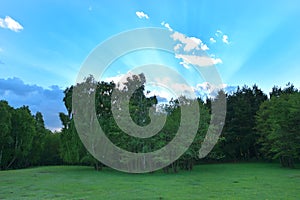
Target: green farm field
[{"x": 209, "y": 181}]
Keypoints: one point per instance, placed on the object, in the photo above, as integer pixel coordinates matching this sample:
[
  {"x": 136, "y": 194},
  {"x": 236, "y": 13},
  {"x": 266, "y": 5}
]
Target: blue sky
[{"x": 44, "y": 43}]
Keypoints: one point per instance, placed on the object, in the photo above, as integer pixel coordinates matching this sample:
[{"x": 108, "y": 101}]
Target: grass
[{"x": 211, "y": 181}]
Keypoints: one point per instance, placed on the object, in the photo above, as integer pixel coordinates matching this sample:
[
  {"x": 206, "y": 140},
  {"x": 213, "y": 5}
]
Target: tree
[
  {"x": 189, "y": 158},
  {"x": 240, "y": 138},
  {"x": 22, "y": 137},
  {"x": 5, "y": 133},
  {"x": 277, "y": 122},
  {"x": 38, "y": 141},
  {"x": 23, "y": 131},
  {"x": 72, "y": 150},
  {"x": 50, "y": 154}
]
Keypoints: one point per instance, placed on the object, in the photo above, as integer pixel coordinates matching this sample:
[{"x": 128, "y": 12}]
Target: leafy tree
[
  {"x": 22, "y": 142},
  {"x": 191, "y": 156},
  {"x": 71, "y": 146},
  {"x": 239, "y": 136},
  {"x": 278, "y": 125},
  {"x": 5, "y": 133},
  {"x": 38, "y": 140},
  {"x": 50, "y": 154},
  {"x": 72, "y": 150},
  {"x": 23, "y": 131}
]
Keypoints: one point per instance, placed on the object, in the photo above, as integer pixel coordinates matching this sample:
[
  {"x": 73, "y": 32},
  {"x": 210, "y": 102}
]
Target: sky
[{"x": 43, "y": 44}]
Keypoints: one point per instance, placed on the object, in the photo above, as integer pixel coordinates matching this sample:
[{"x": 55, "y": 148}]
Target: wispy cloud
[
  {"x": 141, "y": 15},
  {"x": 184, "y": 64},
  {"x": 204, "y": 47},
  {"x": 190, "y": 51},
  {"x": 218, "y": 33},
  {"x": 175, "y": 87},
  {"x": 212, "y": 40},
  {"x": 167, "y": 26},
  {"x": 209, "y": 90},
  {"x": 190, "y": 43},
  {"x": 201, "y": 61},
  {"x": 10, "y": 23},
  {"x": 225, "y": 39},
  {"x": 221, "y": 35}
]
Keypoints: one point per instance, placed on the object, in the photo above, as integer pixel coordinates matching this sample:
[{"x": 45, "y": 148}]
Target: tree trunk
[
  {"x": 291, "y": 162},
  {"x": 96, "y": 166},
  {"x": 174, "y": 166},
  {"x": 15, "y": 156},
  {"x": 11, "y": 162},
  {"x": 281, "y": 161},
  {"x": 255, "y": 152}
]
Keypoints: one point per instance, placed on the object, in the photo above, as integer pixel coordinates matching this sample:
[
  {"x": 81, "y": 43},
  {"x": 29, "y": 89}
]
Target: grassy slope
[{"x": 216, "y": 181}]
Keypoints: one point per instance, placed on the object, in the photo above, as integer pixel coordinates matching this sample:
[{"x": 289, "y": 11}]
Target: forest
[{"x": 258, "y": 127}]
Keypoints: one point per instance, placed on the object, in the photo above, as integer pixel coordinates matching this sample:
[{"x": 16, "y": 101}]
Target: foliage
[
  {"x": 279, "y": 128},
  {"x": 23, "y": 140},
  {"x": 256, "y": 127},
  {"x": 238, "y": 141}
]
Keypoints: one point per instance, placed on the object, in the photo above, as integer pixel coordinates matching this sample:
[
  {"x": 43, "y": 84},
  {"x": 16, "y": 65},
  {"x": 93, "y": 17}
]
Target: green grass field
[{"x": 210, "y": 181}]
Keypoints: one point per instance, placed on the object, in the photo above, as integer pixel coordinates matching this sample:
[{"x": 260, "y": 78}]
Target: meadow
[{"x": 206, "y": 181}]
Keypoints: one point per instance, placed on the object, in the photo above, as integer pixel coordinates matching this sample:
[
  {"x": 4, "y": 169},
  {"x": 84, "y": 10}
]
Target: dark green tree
[
  {"x": 5, "y": 133},
  {"x": 23, "y": 132},
  {"x": 239, "y": 136},
  {"x": 278, "y": 125},
  {"x": 37, "y": 146}
]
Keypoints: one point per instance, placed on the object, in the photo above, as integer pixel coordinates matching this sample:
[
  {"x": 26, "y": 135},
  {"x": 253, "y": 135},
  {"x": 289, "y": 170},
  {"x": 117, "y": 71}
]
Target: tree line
[
  {"x": 24, "y": 140},
  {"x": 257, "y": 127}
]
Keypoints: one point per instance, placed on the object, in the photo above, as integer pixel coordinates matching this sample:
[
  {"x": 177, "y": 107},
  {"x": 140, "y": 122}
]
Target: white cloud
[
  {"x": 212, "y": 40},
  {"x": 118, "y": 79},
  {"x": 210, "y": 87},
  {"x": 161, "y": 93},
  {"x": 225, "y": 39},
  {"x": 218, "y": 33},
  {"x": 217, "y": 61},
  {"x": 177, "y": 47},
  {"x": 175, "y": 88},
  {"x": 185, "y": 65},
  {"x": 141, "y": 15},
  {"x": 190, "y": 52},
  {"x": 201, "y": 61},
  {"x": 190, "y": 43},
  {"x": 209, "y": 90},
  {"x": 204, "y": 47},
  {"x": 167, "y": 26},
  {"x": 9, "y": 23},
  {"x": 166, "y": 87}
]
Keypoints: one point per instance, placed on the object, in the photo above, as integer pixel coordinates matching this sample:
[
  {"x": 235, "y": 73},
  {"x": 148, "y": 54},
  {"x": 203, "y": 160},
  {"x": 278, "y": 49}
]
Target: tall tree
[
  {"x": 278, "y": 125},
  {"x": 23, "y": 131},
  {"x": 39, "y": 135},
  {"x": 5, "y": 133},
  {"x": 72, "y": 149},
  {"x": 239, "y": 134}
]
